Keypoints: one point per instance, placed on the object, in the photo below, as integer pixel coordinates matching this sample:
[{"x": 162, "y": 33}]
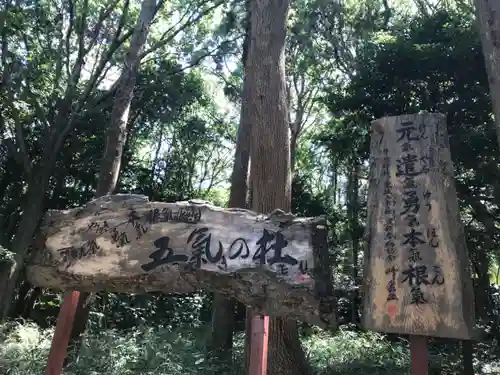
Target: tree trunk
[
  {"x": 333, "y": 184},
  {"x": 117, "y": 131},
  {"x": 295, "y": 127},
  {"x": 223, "y": 314},
  {"x": 32, "y": 213},
  {"x": 11, "y": 217},
  {"x": 468, "y": 357},
  {"x": 270, "y": 152},
  {"x": 488, "y": 18},
  {"x": 293, "y": 149},
  {"x": 353, "y": 205},
  {"x": 482, "y": 296},
  {"x": 222, "y": 328},
  {"x": 223, "y": 309}
]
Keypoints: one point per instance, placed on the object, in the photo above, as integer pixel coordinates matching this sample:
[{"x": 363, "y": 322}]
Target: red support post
[
  {"x": 258, "y": 345},
  {"x": 60, "y": 341},
  {"x": 419, "y": 355}
]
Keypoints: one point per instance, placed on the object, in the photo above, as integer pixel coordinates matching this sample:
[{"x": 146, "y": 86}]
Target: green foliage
[
  {"x": 153, "y": 309},
  {"x": 141, "y": 351},
  {"x": 216, "y": 196},
  {"x": 124, "y": 311},
  {"x": 351, "y": 351},
  {"x": 435, "y": 64},
  {"x": 5, "y": 254},
  {"x": 171, "y": 111},
  {"x": 305, "y": 203},
  {"x": 163, "y": 351},
  {"x": 362, "y": 59}
]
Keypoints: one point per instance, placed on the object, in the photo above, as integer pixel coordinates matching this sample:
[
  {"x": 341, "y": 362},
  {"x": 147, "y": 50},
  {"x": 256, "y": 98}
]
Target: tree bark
[
  {"x": 32, "y": 213},
  {"x": 117, "y": 132},
  {"x": 223, "y": 321},
  {"x": 293, "y": 149},
  {"x": 482, "y": 294},
  {"x": 468, "y": 357},
  {"x": 354, "y": 232},
  {"x": 270, "y": 152},
  {"x": 488, "y": 18},
  {"x": 223, "y": 315},
  {"x": 223, "y": 309}
]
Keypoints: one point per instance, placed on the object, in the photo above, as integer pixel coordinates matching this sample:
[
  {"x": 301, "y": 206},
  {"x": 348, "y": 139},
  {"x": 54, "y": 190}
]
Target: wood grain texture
[
  {"x": 417, "y": 278},
  {"x": 278, "y": 264}
]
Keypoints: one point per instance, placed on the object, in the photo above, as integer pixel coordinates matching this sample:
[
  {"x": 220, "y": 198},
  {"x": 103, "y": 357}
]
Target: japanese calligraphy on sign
[
  {"x": 130, "y": 244},
  {"x": 417, "y": 271}
]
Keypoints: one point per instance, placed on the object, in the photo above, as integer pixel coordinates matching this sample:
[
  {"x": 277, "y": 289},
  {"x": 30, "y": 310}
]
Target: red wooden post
[
  {"x": 64, "y": 325},
  {"x": 419, "y": 355},
  {"x": 258, "y": 345}
]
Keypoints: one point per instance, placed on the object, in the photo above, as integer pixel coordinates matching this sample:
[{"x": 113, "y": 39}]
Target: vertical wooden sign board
[{"x": 417, "y": 278}]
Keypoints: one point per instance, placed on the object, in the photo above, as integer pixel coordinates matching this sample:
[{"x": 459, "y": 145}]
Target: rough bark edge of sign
[
  {"x": 278, "y": 217},
  {"x": 458, "y": 237},
  {"x": 253, "y": 287},
  {"x": 318, "y": 305}
]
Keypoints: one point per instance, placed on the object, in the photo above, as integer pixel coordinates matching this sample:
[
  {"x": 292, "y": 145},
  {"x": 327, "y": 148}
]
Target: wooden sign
[
  {"x": 124, "y": 243},
  {"x": 417, "y": 278}
]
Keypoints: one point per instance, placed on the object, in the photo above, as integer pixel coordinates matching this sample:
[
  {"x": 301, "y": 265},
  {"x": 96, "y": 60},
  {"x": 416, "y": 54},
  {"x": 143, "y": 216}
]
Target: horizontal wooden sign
[
  {"x": 124, "y": 243},
  {"x": 417, "y": 278}
]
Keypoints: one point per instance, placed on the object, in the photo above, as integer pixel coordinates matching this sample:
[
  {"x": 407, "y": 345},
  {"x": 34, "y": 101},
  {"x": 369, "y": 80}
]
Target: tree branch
[
  {"x": 196, "y": 61},
  {"x": 69, "y": 31},
  {"x": 165, "y": 40},
  {"x": 22, "y": 155},
  {"x": 105, "y": 58},
  {"x": 105, "y": 13},
  {"x": 59, "y": 65}
]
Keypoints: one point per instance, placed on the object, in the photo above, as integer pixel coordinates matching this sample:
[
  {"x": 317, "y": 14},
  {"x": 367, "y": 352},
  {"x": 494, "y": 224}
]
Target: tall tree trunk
[
  {"x": 482, "y": 290},
  {"x": 222, "y": 328},
  {"x": 10, "y": 218},
  {"x": 38, "y": 181},
  {"x": 488, "y": 18},
  {"x": 293, "y": 149},
  {"x": 117, "y": 132},
  {"x": 353, "y": 204},
  {"x": 32, "y": 213},
  {"x": 223, "y": 309},
  {"x": 270, "y": 152},
  {"x": 468, "y": 357},
  {"x": 295, "y": 128},
  {"x": 333, "y": 183}
]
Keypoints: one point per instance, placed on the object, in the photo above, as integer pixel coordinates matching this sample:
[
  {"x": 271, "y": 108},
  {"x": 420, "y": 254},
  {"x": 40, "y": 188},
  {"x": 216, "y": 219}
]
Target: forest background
[{"x": 65, "y": 63}]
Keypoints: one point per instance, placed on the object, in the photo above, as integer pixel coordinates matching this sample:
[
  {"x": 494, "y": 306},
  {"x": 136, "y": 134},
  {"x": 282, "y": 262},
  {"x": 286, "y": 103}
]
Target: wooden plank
[
  {"x": 58, "y": 352},
  {"x": 258, "y": 345},
  {"x": 417, "y": 278},
  {"x": 419, "y": 353},
  {"x": 278, "y": 264}
]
